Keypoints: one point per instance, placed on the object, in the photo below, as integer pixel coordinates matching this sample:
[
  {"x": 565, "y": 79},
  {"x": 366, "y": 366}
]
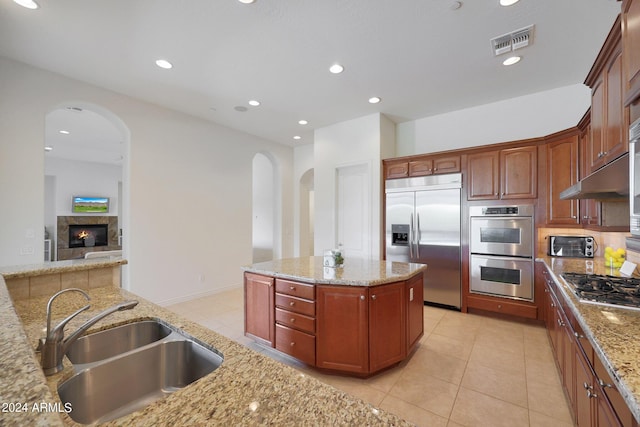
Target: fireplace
[{"x": 88, "y": 235}]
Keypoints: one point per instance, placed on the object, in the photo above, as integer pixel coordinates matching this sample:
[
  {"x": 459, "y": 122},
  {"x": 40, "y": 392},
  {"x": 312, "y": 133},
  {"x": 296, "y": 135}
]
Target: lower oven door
[{"x": 505, "y": 277}]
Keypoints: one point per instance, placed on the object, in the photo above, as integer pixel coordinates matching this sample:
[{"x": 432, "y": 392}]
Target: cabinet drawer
[
  {"x": 298, "y": 305},
  {"x": 297, "y": 344},
  {"x": 295, "y": 289},
  {"x": 296, "y": 320}
]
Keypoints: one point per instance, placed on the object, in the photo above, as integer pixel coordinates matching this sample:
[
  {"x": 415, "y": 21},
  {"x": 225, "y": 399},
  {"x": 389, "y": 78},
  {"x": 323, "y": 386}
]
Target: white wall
[
  {"x": 529, "y": 116},
  {"x": 353, "y": 142},
  {"x": 302, "y": 162},
  {"x": 188, "y": 178}
]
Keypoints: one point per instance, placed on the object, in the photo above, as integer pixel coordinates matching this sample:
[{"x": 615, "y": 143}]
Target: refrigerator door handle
[
  {"x": 418, "y": 235},
  {"x": 411, "y": 238}
]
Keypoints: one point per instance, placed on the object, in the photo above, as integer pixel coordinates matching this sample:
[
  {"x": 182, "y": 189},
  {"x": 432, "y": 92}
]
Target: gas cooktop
[{"x": 621, "y": 292}]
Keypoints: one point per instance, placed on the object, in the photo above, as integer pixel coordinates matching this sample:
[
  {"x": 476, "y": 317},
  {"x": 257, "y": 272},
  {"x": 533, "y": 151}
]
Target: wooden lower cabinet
[
  {"x": 414, "y": 294},
  {"x": 387, "y": 319},
  {"x": 259, "y": 308},
  {"x": 594, "y": 400},
  {"x": 342, "y": 328}
]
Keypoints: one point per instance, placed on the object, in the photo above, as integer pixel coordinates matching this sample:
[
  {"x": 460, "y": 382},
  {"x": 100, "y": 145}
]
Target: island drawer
[
  {"x": 296, "y": 321},
  {"x": 295, "y": 289},
  {"x": 297, "y": 344},
  {"x": 298, "y": 305}
]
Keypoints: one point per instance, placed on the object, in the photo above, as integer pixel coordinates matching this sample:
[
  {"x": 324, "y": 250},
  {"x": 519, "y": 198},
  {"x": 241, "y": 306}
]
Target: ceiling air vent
[{"x": 512, "y": 41}]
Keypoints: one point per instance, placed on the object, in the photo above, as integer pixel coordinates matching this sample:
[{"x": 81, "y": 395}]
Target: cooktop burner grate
[{"x": 606, "y": 290}]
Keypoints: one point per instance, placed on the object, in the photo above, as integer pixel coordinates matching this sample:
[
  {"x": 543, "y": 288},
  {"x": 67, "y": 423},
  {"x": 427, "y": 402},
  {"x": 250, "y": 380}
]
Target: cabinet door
[
  {"x": 584, "y": 391},
  {"x": 342, "y": 340},
  {"x": 519, "y": 173},
  {"x": 259, "y": 308},
  {"x": 631, "y": 47},
  {"x": 421, "y": 167},
  {"x": 484, "y": 176},
  {"x": 562, "y": 172},
  {"x": 387, "y": 317},
  {"x": 449, "y": 164},
  {"x": 415, "y": 313},
  {"x": 615, "y": 141},
  {"x": 598, "y": 99},
  {"x": 396, "y": 170},
  {"x": 589, "y": 208}
]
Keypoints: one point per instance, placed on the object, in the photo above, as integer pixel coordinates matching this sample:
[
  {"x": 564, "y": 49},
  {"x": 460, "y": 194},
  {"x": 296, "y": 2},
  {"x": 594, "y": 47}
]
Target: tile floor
[{"x": 468, "y": 370}]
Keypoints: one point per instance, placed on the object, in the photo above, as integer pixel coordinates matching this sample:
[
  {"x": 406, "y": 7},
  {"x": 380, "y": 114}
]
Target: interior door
[{"x": 353, "y": 211}]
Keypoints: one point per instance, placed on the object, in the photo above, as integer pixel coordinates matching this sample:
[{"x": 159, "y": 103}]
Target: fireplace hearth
[{"x": 88, "y": 235}]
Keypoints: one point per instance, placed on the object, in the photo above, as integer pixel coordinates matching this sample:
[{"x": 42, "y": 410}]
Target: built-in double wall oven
[{"x": 501, "y": 244}]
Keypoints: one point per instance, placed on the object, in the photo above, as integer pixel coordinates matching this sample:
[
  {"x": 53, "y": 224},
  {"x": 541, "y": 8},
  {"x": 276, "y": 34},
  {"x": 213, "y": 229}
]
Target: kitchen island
[
  {"x": 357, "y": 319},
  {"x": 604, "y": 341},
  {"x": 247, "y": 389}
]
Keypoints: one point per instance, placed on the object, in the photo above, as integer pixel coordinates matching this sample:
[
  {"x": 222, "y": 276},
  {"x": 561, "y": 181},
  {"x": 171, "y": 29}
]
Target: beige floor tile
[
  {"x": 491, "y": 357},
  {"x": 454, "y": 424},
  {"x": 460, "y": 349},
  {"x": 438, "y": 365},
  {"x": 412, "y": 413},
  {"x": 544, "y": 372},
  {"x": 548, "y": 400},
  {"x": 427, "y": 392},
  {"x": 455, "y": 331},
  {"x": 501, "y": 341},
  {"x": 510, "y": 387},
  {"x": 385, "y": 380},
  {"x": 479, "y": 410},
  {"x": 540, "y": 420}
]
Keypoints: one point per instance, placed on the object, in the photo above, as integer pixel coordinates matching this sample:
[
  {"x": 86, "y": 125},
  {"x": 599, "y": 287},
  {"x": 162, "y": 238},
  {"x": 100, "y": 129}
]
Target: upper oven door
[{"x": 510, "y": 236}]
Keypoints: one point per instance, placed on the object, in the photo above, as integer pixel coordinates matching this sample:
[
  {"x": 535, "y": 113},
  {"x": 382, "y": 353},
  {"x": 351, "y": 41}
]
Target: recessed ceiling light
[
  {"x": 29, "y": 4},
  {"x": 336, "y": 69},
  {"x": 374, "y": 100},
  {"x": 511, "y": 60},
  {"x": 455, "y": 5},
  {"x": 240, "y": 108},
  {"x": 163, "y": 63},
  {"x": 302, "y": 122},
  {"x": 254, "y": 103},
  {"x": 48, "y": 148},
  {"x": 247, "y": 1},
  {"x": 64, "y": 132},
  {"x": 508, "y": 2},
  {"x": 297, "y": 137}
]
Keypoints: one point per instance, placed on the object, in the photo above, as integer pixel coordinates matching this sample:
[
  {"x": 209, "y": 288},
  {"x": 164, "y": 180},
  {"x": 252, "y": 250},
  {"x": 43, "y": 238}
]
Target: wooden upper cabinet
[
  {"x": 519, "y": 173},
  {"x": 398, "y": 169},
  {"x": 562, "y": 172},
  {"x": 608, "y": 121},
  {"x": 589, "y": 208},
  {"x": 631, "y": 49},
  {"x": 506, "y": 174},
  {"x": 484, "y": 176},
  {"x": 421, "y": 166}
]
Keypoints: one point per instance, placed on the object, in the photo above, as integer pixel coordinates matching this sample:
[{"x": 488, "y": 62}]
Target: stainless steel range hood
[{"x": 609, "y": 182}]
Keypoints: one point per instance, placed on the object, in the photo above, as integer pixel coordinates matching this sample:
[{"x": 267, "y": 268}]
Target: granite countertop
[
  {"x": 30, "y": 270},
  {"x": 247, "y": 389},
  {"x": 614, "y": 332},
  {"x": 355, "y": 272}
]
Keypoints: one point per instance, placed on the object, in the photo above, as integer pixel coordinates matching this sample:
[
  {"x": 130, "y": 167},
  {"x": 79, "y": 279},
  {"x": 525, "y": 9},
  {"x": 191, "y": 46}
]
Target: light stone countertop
[
  {"x": 31, "y": 270},
  {"x": 247, "y": 389},
  {"x": 613, "y": 332},
  {"x": 355, "y": 272}
]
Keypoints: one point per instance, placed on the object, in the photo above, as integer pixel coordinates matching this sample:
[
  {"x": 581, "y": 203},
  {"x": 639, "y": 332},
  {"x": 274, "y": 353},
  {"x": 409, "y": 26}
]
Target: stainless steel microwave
[{"x": 571, "y": 246}]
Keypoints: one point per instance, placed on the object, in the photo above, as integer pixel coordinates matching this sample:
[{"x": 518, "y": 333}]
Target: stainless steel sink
[
  {"x": 125, "y": 384},
  {"x": 112, "y": 342}
]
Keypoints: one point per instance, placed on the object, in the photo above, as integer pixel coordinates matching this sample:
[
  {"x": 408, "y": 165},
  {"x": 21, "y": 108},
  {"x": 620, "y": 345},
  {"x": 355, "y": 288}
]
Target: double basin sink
[{"x": 123, "y": 369}]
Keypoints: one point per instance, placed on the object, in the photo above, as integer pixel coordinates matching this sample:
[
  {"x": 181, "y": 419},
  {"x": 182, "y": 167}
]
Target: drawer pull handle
[
  {"x": 292, "y": 344},
  {"x": 587, "y": 386},
  {"x": 293, "y": 320},
  {"x": 292, "y": 288},
  {"x": 578, "y": 335},
  {"x": 603, "y": 384},
  {"x": 361, "y": 297},
  {"x": 590, "y": 394},
  {"x": 292, "y": 303},
  {"x": 373, "y": 297}
]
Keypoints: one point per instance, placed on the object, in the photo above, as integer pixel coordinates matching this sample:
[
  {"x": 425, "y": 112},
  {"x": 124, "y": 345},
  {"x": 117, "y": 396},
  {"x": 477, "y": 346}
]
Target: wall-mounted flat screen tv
[{"x": 83, "y": 204}]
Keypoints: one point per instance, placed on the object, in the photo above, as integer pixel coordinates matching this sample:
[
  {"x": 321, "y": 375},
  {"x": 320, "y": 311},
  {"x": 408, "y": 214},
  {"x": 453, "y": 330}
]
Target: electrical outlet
[
  {"x": 26, "y": 250},
  {"x": 201, "y": 278}
]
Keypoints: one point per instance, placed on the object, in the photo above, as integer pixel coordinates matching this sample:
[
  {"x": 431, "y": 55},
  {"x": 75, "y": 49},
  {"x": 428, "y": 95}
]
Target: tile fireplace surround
[{"x": 63, "y": 250}]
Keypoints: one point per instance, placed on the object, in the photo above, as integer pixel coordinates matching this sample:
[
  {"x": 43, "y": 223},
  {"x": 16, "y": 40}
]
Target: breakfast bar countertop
[
  {"x": 614, "y": 332},
  {"x": 355, "y": 272},
  {"x": 247, "y": 389}
]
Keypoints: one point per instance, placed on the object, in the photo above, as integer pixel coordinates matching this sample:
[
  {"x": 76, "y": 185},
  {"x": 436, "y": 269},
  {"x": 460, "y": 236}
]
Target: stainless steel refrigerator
[{"x": 423, "y": 225}]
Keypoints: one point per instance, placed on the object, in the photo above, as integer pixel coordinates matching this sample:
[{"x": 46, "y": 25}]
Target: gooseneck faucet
[{"x": 54, "y": 345}]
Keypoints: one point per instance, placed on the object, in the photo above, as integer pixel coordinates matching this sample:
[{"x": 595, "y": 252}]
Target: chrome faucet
[{"x": 54, "y": 345}]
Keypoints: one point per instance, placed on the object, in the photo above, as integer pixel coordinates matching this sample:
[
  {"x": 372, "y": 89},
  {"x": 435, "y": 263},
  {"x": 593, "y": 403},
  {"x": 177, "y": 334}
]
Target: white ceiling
[{"x": 420, "y": 56}]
